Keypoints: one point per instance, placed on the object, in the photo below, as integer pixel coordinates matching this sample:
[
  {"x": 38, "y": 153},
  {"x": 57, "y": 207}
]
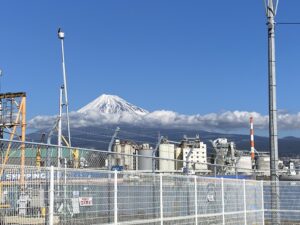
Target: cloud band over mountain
[
  {"x": 111, "y": 109},
  {"x": 225, "y": 121}
]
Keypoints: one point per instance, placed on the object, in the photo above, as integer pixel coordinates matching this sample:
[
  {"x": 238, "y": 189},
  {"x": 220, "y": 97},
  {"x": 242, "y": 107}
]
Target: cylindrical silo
[
  {"x": 263, "y": 163},
  {"x": 167, "y": 152},
  {"x": 244, "y": 164},
  {"x": 144, "y": 163}
]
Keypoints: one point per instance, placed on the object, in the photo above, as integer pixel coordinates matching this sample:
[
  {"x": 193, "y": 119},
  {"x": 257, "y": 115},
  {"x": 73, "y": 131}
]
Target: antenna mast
[{"x": 61, "y": 36}]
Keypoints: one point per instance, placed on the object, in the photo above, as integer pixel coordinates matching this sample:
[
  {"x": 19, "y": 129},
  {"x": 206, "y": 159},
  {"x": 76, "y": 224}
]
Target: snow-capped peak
[{"x": 112, "y": 104}]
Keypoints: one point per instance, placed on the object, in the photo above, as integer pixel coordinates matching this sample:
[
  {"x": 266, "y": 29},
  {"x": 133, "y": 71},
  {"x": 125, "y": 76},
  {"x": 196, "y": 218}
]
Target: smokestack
[{"x": 252, "y": 138}]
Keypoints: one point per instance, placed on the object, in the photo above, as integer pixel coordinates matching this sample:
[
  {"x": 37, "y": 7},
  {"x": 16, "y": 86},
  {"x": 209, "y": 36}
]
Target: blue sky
[{"x": 191, "y": 57}]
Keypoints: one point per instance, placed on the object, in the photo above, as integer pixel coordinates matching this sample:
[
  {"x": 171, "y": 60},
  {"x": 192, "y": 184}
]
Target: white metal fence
[
  {"x": 95, "y": 195},
  {"x": 75, "y": 196},
  {"x": 288, "y": 209}
]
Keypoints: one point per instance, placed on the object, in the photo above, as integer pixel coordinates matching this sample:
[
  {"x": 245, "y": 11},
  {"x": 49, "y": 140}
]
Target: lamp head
[{"x": 60, "y": 33}]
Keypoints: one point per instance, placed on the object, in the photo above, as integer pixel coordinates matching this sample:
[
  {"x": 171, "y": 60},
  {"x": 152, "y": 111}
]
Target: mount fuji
[{"x": 112, "y": 104}]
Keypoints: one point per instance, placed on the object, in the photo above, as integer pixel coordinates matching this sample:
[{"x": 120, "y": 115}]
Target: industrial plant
[
  {"x": 133, "y": 181},
  {"x": 173, "y": 157}
]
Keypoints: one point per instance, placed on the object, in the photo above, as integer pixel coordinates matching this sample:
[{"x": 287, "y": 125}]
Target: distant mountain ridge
[
  {"x": 90, "y": 123},
  {"x": 98, "y": 137}
]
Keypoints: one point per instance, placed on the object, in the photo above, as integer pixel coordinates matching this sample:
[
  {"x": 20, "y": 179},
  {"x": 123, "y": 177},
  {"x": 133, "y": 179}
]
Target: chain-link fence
[
  {"x": 24, "y": 202},
  {"x": 42, "y": 155}
]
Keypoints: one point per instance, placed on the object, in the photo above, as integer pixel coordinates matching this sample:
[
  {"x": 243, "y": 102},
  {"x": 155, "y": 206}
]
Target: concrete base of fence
[{"x": 27, "y": 220}]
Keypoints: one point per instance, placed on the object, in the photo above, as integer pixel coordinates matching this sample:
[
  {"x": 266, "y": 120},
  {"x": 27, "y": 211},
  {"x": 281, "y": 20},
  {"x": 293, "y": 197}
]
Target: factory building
[
  {"x": 194, "y": 151},
  {"x": 173, "y": 156},
  {"x": 126, "y": 154}
]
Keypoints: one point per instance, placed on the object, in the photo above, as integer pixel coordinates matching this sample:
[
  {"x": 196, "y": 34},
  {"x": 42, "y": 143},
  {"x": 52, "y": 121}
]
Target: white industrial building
[
  {"x": 196, "y": 156},
  {"x": 190, "y": 149},
  {"x": 172, "y": 157}
]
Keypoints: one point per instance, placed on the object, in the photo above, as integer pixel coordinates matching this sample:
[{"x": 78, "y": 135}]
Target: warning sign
[
  {"x": 85, "y": 201},
  {"x": 75, "y": 205}
]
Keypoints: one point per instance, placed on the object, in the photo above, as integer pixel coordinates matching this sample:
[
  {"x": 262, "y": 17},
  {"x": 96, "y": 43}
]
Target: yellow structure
[
  {"x": 13, "y": 120},
  {"x": 75, "y": 155},
  {"x": 38, "y": 158}
]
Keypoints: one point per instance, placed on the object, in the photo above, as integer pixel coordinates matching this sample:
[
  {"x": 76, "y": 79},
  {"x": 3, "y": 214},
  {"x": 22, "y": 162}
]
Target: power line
[
  {"x": 137, "y": 134},
  {"x": 90, "y": 133},
  {"x": 287, "y": 23},
  {"x": 86, "y": 139}
]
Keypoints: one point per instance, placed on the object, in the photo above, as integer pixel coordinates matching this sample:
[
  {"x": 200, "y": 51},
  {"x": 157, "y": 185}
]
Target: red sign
[{"x": 85, "y": 201}]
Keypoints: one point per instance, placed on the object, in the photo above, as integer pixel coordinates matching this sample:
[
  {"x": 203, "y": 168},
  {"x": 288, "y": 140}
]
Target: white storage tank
[
  {"x": 244, "y": 164},
  {"x": 167, "y": 151},
  {"x": 144, "y": 163},
  {"x": 263, "y": 163}
]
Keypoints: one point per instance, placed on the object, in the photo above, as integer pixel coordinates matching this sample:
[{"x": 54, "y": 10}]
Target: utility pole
[
  {"x": 271, "y": 12},
  {"x": 59, "y": 129},
  {"x": 1, "y": 123},
  {"x": 271, "y": 9},
  {"x": 61, "y": 36},
  {"x": 63, "y": 102}
]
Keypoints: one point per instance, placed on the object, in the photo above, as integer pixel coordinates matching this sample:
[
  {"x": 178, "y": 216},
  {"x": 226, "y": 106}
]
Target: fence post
[
  {"x": 161, "y": 199},
  {"x": 223, "y": 201},
  {"x": 262, "y": 202},
  {"x": 116, "y": 197},
  {"x": 245, "y": 202},
  {"x": 51, "y": 196},
  {"x": 196, "y": 201}
]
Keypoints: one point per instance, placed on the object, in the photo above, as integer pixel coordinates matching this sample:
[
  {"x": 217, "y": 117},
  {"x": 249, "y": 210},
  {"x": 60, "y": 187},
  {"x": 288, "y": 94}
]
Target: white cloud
[{"x": 225, "y": 121}]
